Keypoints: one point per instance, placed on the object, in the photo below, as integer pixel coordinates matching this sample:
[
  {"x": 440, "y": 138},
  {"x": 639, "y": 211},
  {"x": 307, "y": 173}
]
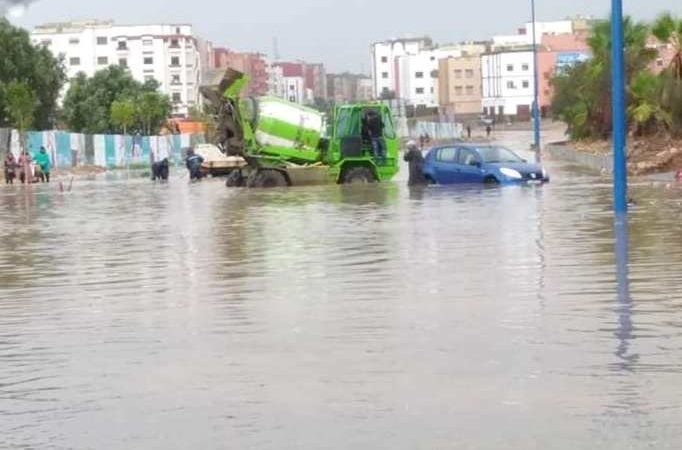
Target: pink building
[
  {"x": 556, "y": 51},
  {"x": 252, "y": 64}
]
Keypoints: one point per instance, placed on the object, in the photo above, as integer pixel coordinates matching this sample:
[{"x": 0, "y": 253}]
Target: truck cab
[{"x": 351, "y": 154}]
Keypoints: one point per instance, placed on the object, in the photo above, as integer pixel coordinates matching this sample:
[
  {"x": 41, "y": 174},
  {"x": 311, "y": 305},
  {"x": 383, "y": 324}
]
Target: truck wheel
[
  {"x": 234, "y": 179},
  {"x": 358, "y": 175},
  {"x": 266, "y": 179}
]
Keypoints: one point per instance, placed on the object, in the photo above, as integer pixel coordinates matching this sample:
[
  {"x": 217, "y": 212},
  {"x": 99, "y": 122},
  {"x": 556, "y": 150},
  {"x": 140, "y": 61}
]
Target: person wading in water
[{"x": 415, "y": 159}]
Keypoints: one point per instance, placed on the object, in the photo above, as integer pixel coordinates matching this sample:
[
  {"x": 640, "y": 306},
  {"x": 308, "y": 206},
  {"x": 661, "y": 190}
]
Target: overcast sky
[{"x": 335, "y": 32}]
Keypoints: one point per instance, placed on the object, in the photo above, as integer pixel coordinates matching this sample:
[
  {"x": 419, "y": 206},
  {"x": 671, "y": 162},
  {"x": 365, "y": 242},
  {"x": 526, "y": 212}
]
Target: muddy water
[{"x": 135, "y": 315}]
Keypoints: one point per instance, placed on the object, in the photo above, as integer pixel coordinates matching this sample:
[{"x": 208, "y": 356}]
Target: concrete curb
[{"x": 562, "y": 151}]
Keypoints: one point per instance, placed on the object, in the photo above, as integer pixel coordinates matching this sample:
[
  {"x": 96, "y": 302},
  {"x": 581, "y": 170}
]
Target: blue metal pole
[
  {"x": 620, "y": 174},
  {"x": 536, "y": 86}
]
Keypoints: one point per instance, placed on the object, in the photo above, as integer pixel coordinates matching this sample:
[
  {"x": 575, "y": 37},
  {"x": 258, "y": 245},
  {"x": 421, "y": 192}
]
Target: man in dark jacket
[
  {"x": 415, "y": 160},
  {"x": 160, "y": 170},
  {"x": 194, "y": 163},
  {"x": 375, "y": 130}
]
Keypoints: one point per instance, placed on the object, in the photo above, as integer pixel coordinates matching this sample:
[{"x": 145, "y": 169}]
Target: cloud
[{"x": 14, "y": 7}]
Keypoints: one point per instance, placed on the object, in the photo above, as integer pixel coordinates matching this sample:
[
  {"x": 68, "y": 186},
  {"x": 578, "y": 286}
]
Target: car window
[
  {"x": 467, "y": 157},
  {"x": 447, "y": 155}
]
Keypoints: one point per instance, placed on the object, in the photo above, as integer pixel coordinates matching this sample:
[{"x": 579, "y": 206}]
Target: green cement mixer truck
[{"x": 274, "y": 143}]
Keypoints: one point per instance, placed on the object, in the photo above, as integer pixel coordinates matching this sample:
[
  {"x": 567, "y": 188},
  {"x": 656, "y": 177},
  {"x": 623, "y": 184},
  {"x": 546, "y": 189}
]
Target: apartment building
[
  {"x": 384, "y": 57},
  {"x": 460, "y": 88},
  {"x": 507, "y": 83},
  {"x": 170, "y": 54},
  {"x": 252, "y": 64}
]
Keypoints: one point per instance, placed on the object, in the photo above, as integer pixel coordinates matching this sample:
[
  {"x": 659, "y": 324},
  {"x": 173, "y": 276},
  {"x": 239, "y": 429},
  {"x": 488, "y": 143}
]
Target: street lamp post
[
  {"x": 536, "y": 87},
  {"x": 620, "y": 174}
]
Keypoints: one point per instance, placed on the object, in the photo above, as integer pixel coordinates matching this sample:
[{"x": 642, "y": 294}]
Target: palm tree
[{"x": 668, "y": 30}]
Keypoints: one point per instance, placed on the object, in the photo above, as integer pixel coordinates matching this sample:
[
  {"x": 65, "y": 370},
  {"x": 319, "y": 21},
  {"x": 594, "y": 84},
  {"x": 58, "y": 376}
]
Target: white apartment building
[
  {"x": 384, "y": 61},
  {"x": 169, "y": 54},
  {"x": 276, "y": 84},
  {"x": 524, "y": 36},
  {"x": 507, "y": 82},
  {"x": 295, "y": 90},
  {"x": 417, "y": 76}
]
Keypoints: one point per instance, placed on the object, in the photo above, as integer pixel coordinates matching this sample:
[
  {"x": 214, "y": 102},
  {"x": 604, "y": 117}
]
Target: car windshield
[{"x": 492, "y": 155}]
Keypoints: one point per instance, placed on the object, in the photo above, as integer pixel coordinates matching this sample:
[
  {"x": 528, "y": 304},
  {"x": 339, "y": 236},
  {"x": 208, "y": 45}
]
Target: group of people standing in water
[{"x": 29, "y": 168}]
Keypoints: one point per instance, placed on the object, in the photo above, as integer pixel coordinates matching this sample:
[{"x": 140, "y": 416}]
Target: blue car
[{"x": 470, "y": 163}]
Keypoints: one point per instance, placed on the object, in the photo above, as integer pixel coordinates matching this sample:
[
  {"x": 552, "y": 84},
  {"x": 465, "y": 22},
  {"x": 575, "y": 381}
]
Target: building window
[
  {"x": 122, "y": 45},
  {"x": 470, "y": 90},
  {"x": 419, "y": 75},
  {"x": 419, "y": 90},
  {"x": 175, "y": 61},
  {"x": 148, "y": 60},
  {"x": 74, "y": 41},
  {"x": 526, "y": 84},
  {"x": 470, "y": 73},
  {"x": 511, "y": 85},
  {"x": 148, "y": 78},
  {"x": 384, "y": 59},
  {"x": 525, "y": 67},
  {"x": 292, "y": 99},
  {"x": 433, "y": 58},
  {"x": 458, "y": 73},
  {"x": 458, "y": 90},
  {"x": 102, "y": 60},
  {"x": 46, "y": 42},
  {"x": 432, "y": 90},
  {"x": 175, "y": 79},
  {"x": 74, "y": 61},
  {"x": 384, "y": 75},
  {"x": 177, "y": 97},
  {"x": 102, "y": 40},
  {"x": 123, "y": 62},
  {"x": 510, "y": 67},
  {"x": 174, "y": 43},
  {"x": 177, "y": 30},
  {"x": 147, "y": 42},
  {"x": 659, "y": 62}
]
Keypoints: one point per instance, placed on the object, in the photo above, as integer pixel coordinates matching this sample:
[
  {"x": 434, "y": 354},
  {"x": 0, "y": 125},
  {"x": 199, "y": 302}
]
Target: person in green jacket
[{"x": 43, "y": 160}]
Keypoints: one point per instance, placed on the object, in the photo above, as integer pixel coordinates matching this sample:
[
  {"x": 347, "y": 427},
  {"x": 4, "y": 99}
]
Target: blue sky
[{"x": 335, "y": 32}]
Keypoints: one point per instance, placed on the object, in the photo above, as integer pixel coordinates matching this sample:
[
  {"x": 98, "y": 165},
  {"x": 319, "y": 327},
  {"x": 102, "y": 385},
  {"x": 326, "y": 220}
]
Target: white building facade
[
  {"x": 384, "y": 57},
  {"x": 169, "y": 54},
  {"x": 525, "y": 34},
  {"x": 507, "y": 83},
  {"x": 417, "y": 76}
]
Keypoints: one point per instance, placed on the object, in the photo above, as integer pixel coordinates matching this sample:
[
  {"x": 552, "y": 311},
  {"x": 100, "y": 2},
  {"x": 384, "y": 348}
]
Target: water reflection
[{"x": 624, "y": 308}]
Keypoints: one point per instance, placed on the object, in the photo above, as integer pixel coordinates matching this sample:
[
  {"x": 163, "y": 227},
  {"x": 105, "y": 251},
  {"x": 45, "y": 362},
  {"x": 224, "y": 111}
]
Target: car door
[
  {"x": 446, "y": 165},
  {"x": 469, "y": 166}
]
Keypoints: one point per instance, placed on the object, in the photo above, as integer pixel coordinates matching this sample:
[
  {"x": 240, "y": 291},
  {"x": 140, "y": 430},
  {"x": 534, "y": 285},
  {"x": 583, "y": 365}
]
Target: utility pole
[
  {"x": 620, "y": 174},
  {"x": 536, "y": 87}
]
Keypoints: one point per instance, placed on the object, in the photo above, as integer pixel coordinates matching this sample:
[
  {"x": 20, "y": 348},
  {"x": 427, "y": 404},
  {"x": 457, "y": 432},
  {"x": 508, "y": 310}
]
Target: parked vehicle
[{"x": 471, "y": 163}]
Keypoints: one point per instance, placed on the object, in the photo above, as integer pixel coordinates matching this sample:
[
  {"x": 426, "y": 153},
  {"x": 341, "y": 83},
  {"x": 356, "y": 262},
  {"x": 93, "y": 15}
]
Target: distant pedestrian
[
  {"x": 415, "y": 159},
  {"x": 10, "y": 168},
  {"x": 43, "y": 161},
  {"x": 25, "y": 170},
  {"x": 193, "y": 163},
  {"x": 488, "y": 131},
  {"x": 468, "y": 131}
]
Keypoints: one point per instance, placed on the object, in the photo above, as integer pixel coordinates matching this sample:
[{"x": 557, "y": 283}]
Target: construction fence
[{"x": 110, "y": 151}]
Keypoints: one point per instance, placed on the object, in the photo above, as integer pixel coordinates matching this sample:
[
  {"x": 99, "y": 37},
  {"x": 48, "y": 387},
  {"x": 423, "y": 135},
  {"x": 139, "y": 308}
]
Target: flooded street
[{"x": 178, "y": 316}]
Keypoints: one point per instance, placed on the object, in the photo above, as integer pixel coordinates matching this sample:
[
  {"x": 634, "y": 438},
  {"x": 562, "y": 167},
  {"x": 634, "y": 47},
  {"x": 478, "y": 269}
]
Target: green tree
[
  {"x": 88, "y": 103},
  {"x": 20, "y": 105},
  {"x": 583, "y": 94},
  {"x": 123, "y": 114},
  {"x": 646, "y": 112},
  {"x": 35, "y": 66},
  {"x": 152, "y": 110},
  {"x": 668, "y": 29}
]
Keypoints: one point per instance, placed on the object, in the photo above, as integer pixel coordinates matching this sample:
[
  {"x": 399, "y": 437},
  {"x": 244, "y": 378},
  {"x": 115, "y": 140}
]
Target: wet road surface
[{"x": 178, "y": 316}]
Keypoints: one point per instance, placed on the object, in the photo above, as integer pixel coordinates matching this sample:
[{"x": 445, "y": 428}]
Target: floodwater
[{"x": 142, "y": 316}]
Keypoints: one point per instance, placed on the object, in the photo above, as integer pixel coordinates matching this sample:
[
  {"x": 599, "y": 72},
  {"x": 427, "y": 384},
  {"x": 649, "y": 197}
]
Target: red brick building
[{"x": 252, "y": 64}]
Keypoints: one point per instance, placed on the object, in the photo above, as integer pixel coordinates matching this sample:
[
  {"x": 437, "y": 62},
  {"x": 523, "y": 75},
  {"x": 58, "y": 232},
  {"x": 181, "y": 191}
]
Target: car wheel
[{"x": 491, "y": 181}]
